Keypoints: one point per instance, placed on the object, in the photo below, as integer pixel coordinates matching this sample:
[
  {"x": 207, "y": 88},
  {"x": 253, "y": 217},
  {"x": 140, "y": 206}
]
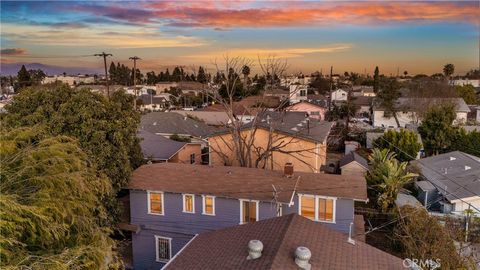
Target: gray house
[
  {"x": 170, "y": 203},
  {"x": 449, "y": 183}
]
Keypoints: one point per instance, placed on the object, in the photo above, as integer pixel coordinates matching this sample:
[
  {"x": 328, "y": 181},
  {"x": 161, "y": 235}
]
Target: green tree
[
  {"x": 201, "y": 76},
  {"x": 105, "y": 128},
  {"x": 386, "y": 177},
  {"x": 468, "y": 142},
  {"x": 245, "y": 72},
  {"x": 376, "y": 80},
  {"x": 437, "y": 130},
  {"x": 403, "y": 143},
  {"x": 37, "y": 76},
  {"x": 388, "y": 95},
  {"x": 422, "y": 237},
  {"x": 23, "y": 77},
  {"x": 51, "y": 211},
  {"x": 468, "y": 93},
  {"x": 448, "y": 70}
]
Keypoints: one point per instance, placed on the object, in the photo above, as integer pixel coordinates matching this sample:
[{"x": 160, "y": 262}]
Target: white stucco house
[
  {"x": 407, "y": 111},
  {"x": 298, "y": 92},
  {"x": 339, "y": 95}
]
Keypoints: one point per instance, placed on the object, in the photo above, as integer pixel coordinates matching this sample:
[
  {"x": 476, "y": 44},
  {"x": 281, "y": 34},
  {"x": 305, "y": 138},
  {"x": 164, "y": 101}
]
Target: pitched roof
[
  {"x": 362, "y": 101},
  {"x": 174, "y": 123},
  {"x": 157, "y": 147},
  {"x": 280, "y": 236},
  {"x": 210, "y": 118},
  {"x": 407, "y": 103},
  {"x": 353, "y": 156},
  {"x": 455, "y": 174},
  {"x": 294, "y": 124},
  {"x": 244, "y": 183},
  {"x": 237, "y": 108}
]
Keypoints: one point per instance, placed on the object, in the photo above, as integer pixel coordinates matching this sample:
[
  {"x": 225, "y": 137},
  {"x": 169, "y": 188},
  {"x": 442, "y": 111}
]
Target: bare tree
[{"x": 240, "y": 146}]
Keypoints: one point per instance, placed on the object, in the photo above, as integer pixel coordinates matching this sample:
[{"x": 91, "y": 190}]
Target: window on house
[
  {"x": 163, "y": 246},
  {"x": 325, "y": 209},
  {"x": 192, "y": 158},
  {"x": 209, "y": 205},
  {"x": 155, "y": 203},
  {"x": 307, "y": 207},
  {"x": 303, "y": 93},
  {"x": 249, "y": 211},
  {"x": 188, "y": 203}
]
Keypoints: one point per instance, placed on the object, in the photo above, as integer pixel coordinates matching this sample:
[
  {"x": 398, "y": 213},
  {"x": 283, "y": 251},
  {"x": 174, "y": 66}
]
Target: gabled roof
[
  {"x": 280, "y": 236},
  {"x": 157, "y": 147},
  {"x": 455, "y": 174},
  {"x": 244, "y": 183},
  {"x": 406, "y": 104},
  {"x": 210, "y": 118},
  {"x": 293, "y": 124},
  {"x": 352, "y": 156},
  {"x": 173, "y": 123},
  {"x": 306, "y": 102}
]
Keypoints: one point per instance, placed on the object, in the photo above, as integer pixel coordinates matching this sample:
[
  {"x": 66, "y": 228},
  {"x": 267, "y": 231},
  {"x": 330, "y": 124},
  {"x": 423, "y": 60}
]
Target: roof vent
[
  {"x": 467, "y": 168},
  {"x": 452, "y": 158},
  {"x": 288, "y": 169},
  {"x": 154, "y": 123},
  {"x": 255, "y": 248},
  {"x": 302, "y": 256}
]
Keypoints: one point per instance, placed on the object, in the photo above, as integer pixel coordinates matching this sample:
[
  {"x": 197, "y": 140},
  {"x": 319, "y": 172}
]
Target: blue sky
[{"x": 419, "y": 37}]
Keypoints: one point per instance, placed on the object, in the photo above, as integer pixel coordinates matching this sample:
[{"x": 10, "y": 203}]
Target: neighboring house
[
  {"x": 353, "y": 164},
  {"x": 449, "y": 182},
  {"x": 70, "y": 80},
  {"x": 364, "y": 104},
  {"x": 152, "y": 102},
  {"x": 314, "y": 111},
  {"x": 281, "y": 241},
  {"x": 239, "y": 111},
  {"x": 170, "y": 203},
  {"x": 298, "y": 92},
  {"x": 339, "y": 95},
  {"x": 169, "y": 123},
  {"x": 462, "y": 82},
  {"x": 363, "y": 91},
  {"x": 209, "y": 118},
  {"x": 293, "y": 138},
  {"x": 407, "y": 109},
  {"x": 474, "y": 114},
  {"x": 282, "y": 94},
  {"x": 156, "y": 148},
  {"x": 102, "y": 89}
]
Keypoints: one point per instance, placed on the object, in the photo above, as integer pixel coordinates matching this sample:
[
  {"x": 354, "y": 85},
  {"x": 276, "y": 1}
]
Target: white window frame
[
  {"x": 317, "y": 197},
  {"x": 241, "y": 209},
  {"x": 149, "y": 211},
  {"x": 203, "y": 205},
  {"x": 193, "y": 203},
  {"x": 169, "y": 248}
]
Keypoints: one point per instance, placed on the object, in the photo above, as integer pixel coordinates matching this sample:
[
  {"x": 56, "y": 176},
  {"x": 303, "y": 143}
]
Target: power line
[{"x": 105, "y": 55}]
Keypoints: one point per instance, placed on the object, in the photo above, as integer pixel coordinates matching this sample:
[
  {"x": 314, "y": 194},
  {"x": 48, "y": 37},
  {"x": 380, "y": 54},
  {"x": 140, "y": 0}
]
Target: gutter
[{"x": 180, "y": 251}]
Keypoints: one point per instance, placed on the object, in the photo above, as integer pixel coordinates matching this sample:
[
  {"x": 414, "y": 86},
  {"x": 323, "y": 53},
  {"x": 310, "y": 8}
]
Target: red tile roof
[
  {"x": 247, "y": 183},
  {"x": 228, "y": 248}
]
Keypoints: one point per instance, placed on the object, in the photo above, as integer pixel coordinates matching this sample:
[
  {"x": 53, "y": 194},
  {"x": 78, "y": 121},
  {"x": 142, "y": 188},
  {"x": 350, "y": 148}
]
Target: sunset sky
[{"x": 419, "y": 37}]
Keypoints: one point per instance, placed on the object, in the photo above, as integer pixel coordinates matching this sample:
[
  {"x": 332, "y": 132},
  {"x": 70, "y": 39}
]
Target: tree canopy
[
  {"x": 403, "y": 143},
  {"x": 51, "y": 211},
  {"x": 437, "y": 130},
  {"x": 468, "y": 93},
  {"x": 105, "y": 128}
]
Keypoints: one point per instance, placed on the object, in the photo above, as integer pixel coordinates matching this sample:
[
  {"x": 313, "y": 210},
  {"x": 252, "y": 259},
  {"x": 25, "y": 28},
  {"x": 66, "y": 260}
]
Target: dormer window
[{"x": 317, "y": 208}]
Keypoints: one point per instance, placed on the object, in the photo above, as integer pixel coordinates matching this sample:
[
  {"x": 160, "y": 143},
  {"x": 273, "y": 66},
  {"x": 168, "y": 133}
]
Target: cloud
[
  {"x": 12, "y": 51},
  {"x": 254, "y": 53}
]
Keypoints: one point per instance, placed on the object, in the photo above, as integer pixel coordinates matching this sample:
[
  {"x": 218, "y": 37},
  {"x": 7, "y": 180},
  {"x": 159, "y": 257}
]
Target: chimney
[
  {"x": 255, "y": 248},
  {"x": 302, "y": 256},
  {"x": 288, "y": 169}
]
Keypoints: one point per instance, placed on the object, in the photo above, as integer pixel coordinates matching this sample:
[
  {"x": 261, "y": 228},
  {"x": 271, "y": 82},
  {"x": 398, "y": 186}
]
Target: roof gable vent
[
  {"x": 302, "y": 257},
  {"x": 255, "y": 248}
]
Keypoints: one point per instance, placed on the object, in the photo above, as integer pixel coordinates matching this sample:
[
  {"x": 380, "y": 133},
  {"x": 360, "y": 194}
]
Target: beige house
[
  {"x": 291, "y": 137},
  {"x": 353, "y": 164}
]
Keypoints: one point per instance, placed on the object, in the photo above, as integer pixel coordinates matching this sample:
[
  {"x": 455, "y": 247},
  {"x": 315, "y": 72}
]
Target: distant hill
[{"x": 13, "y": 68}]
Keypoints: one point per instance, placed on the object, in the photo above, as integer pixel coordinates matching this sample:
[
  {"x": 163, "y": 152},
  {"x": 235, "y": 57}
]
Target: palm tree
[
  {"x": 245, "y": 72},
  {"x": 448, "y": 70}
]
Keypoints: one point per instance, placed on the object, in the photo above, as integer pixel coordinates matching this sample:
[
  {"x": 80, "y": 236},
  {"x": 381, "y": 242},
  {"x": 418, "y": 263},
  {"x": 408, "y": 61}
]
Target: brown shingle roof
[
  {"x": 227, "y": 248},
  {"x": 247, "y": 183}
]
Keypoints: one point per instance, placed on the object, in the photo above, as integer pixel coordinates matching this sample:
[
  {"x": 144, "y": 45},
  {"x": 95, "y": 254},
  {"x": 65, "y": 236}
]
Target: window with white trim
[
  {"x": 317, "y": 208},
  {"x": 188, "y": 203},
  {"x": 163, "y": 248},
  {"x": 248, "y": 211},
  {"x": 208, "y": 205},
  {"x": 155, "y": 202}
]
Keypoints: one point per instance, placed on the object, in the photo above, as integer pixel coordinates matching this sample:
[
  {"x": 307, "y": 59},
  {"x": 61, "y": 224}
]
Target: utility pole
[
  {"x": 331, "y": 87},
  {"x": 105, "y": 55},
  {"x": 135, "y": 58}
]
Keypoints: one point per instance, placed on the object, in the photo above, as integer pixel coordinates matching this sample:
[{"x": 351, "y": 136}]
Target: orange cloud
[
  {"x": 12, "y": 51},
  {"x": 289, "y": 14}
]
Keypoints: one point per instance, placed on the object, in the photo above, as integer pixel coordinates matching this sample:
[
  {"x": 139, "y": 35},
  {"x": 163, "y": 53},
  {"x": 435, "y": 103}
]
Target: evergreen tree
[
  {"x": 376, "y": 80},
  {"x": 23, "y": 77},
  {"x": 388, "y": 95},
  {"x": 437, "y": 130},
  {"x": 201, "y": 76},
  {"x": 403, "y": 143},
  {"x": 112, "y": 72}
]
